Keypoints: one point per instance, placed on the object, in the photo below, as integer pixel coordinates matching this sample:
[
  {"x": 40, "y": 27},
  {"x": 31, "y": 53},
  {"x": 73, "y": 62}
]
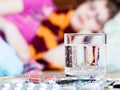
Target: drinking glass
[{"x": 85, "y": 55}]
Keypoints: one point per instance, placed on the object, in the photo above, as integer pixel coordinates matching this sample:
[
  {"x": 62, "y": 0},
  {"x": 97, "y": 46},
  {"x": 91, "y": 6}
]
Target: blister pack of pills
[{"x": 34, "y": 82}]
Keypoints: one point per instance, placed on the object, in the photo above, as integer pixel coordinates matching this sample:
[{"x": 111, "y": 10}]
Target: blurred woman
[
  {"x": 45, "y": 43},
  {"x": 89, "y": 17}
]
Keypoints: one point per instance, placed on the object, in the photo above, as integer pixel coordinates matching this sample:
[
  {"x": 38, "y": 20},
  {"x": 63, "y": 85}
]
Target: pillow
[{"x": 10, "y": 64}]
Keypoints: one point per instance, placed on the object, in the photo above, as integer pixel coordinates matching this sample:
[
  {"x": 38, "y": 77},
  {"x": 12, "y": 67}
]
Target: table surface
[{"x": 58, "y": 74}]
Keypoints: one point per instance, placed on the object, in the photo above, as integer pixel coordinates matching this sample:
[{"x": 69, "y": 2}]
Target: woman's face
[{"x": 90, "y": 16}]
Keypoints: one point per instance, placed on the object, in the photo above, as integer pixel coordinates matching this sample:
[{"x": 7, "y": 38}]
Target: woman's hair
[{"x": 114, "y": 7}]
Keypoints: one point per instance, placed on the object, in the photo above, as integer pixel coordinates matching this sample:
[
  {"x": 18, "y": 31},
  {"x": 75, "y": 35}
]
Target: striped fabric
[{"x": 50, "y": 34}]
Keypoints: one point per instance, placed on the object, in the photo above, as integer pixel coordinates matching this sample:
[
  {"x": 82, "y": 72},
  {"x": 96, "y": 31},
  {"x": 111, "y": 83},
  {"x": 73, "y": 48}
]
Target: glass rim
[{"x": 84, "y": 33}]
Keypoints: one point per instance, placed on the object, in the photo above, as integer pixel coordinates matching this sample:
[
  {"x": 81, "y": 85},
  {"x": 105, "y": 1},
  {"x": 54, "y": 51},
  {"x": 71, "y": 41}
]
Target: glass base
[{"x": 86, "y": 73}]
